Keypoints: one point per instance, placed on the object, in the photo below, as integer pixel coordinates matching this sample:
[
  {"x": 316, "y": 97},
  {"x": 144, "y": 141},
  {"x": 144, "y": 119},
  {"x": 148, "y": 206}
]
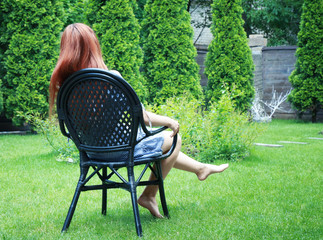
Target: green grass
[{"x": 273, "y": 194}]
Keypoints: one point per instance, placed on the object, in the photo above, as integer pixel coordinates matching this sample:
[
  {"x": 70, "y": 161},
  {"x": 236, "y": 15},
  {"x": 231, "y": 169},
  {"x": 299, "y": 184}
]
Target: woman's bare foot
[
  {"x": 151, "y": 204},
  {"x": 209, "y": 169}
]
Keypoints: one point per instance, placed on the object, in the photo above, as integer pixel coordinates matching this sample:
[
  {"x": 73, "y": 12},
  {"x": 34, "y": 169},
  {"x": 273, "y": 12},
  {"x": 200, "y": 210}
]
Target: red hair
[{"x": 79, "y": 49}]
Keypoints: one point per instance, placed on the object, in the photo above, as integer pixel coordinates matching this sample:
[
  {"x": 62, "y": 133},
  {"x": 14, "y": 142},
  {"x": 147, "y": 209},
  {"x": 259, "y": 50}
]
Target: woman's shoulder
[{"x": 115, "y": 72}]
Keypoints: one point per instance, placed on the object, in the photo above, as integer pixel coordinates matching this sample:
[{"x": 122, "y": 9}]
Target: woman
[{"x": 80, "y": 49}]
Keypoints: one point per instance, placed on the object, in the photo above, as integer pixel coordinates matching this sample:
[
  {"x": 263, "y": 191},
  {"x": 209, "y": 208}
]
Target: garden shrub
[
  {"x": 118, "y": 31},
  {"x": 188, "y": 111},
  {"x": 226, "y": 133},
  {"x": 49, "y": 129},
  {"x": 169, "y": 54},
  {"x": 32, "y": 40},
  {"x": 220, "y": 132},
  {"x": 74, "y": 11},
  {"x": 4, "y": 36},
  {"x": 1, "y": 97},
  {"x": 229, "y": 61},
  {"x": 307, "y": 78},
  {"x": 139, "y": 9},
  {"x": 208, "y": 135}
]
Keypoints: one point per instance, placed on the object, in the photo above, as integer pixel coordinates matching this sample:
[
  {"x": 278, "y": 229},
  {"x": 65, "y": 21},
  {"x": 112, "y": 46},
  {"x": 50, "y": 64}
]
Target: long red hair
[{"x": 79, "y": 49}]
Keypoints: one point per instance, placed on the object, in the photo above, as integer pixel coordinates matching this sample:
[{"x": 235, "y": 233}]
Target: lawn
[{"x": 275, "y": 193}]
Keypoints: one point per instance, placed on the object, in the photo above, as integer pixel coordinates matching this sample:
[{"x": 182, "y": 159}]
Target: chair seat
[{"x": 104, "y": 160}]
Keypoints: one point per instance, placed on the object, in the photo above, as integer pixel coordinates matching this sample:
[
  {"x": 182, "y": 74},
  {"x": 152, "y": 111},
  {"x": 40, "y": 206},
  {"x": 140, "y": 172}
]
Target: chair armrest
[
  {"x": 63, "y": 130},
  {"x": 171, "y": 150},
  {"x": 151, "y": 133},
  {"x": 157, "y": 130}
]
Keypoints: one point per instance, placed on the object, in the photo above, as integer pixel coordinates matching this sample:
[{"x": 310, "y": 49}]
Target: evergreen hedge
[
  {"x": 3, "y": 47},
  {"x": 118, "y": 31},
  {"x": 1, "y": 97},
  {"x": 30, "y": 41},
  {"x": 307, "y": 78},
  {"x": 229, "y": 61},
  {"x": 169, "y": 54},
  {"x": 74, "y": 11}
]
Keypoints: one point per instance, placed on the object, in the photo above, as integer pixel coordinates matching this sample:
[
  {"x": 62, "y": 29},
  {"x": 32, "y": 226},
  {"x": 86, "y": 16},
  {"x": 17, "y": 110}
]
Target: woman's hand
[
  {"x": 174, "y": 125},
  {"x": 157, "y": 120}
]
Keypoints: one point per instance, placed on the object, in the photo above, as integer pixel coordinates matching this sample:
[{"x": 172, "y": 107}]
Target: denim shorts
[{"x": 147, "y": 148}]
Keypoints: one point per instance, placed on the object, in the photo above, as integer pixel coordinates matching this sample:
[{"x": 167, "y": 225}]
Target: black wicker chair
[{"x": 102, "y": 115}]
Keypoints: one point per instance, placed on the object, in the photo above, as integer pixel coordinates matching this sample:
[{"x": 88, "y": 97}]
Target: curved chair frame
[{"x": 101, "y": 113}]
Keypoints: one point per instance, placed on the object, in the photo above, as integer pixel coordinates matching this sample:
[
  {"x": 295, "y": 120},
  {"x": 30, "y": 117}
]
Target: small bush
[
  {"x": 49, "y": 128},
  {"x": 221, "y": 132},
  {"x": 226, "y": 133},
  {"x": 188, "y": 111}
]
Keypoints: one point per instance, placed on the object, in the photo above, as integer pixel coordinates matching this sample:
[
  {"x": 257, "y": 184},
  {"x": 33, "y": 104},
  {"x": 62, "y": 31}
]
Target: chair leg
[
  {"x": 161, "y": 189},
  {"x": 77, "y": 193},
  {"x": 133, "y": 192},
  {"x": 104, "y": 193}
]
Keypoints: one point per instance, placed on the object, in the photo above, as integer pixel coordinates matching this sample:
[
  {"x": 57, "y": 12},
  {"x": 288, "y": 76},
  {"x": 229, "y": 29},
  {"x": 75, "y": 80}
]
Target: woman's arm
[{"x": 158, "y": 120}]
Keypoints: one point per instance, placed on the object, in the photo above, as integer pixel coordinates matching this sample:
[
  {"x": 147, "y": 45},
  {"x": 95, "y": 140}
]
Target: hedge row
[{"x": 29, "y": 46}]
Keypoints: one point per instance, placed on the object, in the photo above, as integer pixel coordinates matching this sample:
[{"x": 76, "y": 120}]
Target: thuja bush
[
  {"x": 75, "y": 11},
  {"x": 3, "y": 36},
  {"x": 1, "y": 98},
  {"x": 31, "y": 37},
  {"x": 220, "y": 132},
  {"x": 307, "y": 78},
  {"x": 229, "y": 61},
  {"x": 169, "y": 54},
  {"x": 118, "y": 31}
]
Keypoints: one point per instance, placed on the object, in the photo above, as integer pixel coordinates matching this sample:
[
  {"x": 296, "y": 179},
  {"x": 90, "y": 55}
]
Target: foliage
[
  {"x": 229, "y": 132},
  {"x": 139, "y": 9},
  {"x": 30, "y": 36},
  {"x": 220, "y": 132},
  {"x": 49, "y": 129},
  {"x": 229, "y": 61},
  {"x": 118, "y": 31},
  {"x": 169, "y": 54},
  {"x": 278, "y": 20},
  {"x": 1, "y": 97},
  {"x": 188, "y": 111},
  {"x": 75, "y": 11},
  {"x": 307, "y": 78}
]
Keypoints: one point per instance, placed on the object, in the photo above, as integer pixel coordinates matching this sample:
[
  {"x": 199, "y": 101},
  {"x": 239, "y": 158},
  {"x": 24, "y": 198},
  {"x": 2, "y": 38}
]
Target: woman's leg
[
  {"x": 148, "y": 196},
  {"x": 202, "y": 170},
  {"x": 180, "y": 161}
]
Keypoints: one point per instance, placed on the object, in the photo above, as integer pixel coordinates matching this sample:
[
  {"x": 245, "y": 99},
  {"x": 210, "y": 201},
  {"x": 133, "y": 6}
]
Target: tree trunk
[{"x": 314, "y": 114}]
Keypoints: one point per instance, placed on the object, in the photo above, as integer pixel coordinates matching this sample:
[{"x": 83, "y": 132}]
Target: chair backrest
[{"x": 100, "y": 110}]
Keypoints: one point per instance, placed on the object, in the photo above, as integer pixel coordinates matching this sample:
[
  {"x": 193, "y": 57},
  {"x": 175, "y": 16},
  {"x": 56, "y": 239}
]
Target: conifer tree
[
  {"x": 118, "y": 31},
  {"x": 30, "y": 44},
  {"x": 169, "y": 54},
  {"x": 307, "y": 77},
  {"x": 1, "y": 97},
  {"x": 229, "y": 63}
]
